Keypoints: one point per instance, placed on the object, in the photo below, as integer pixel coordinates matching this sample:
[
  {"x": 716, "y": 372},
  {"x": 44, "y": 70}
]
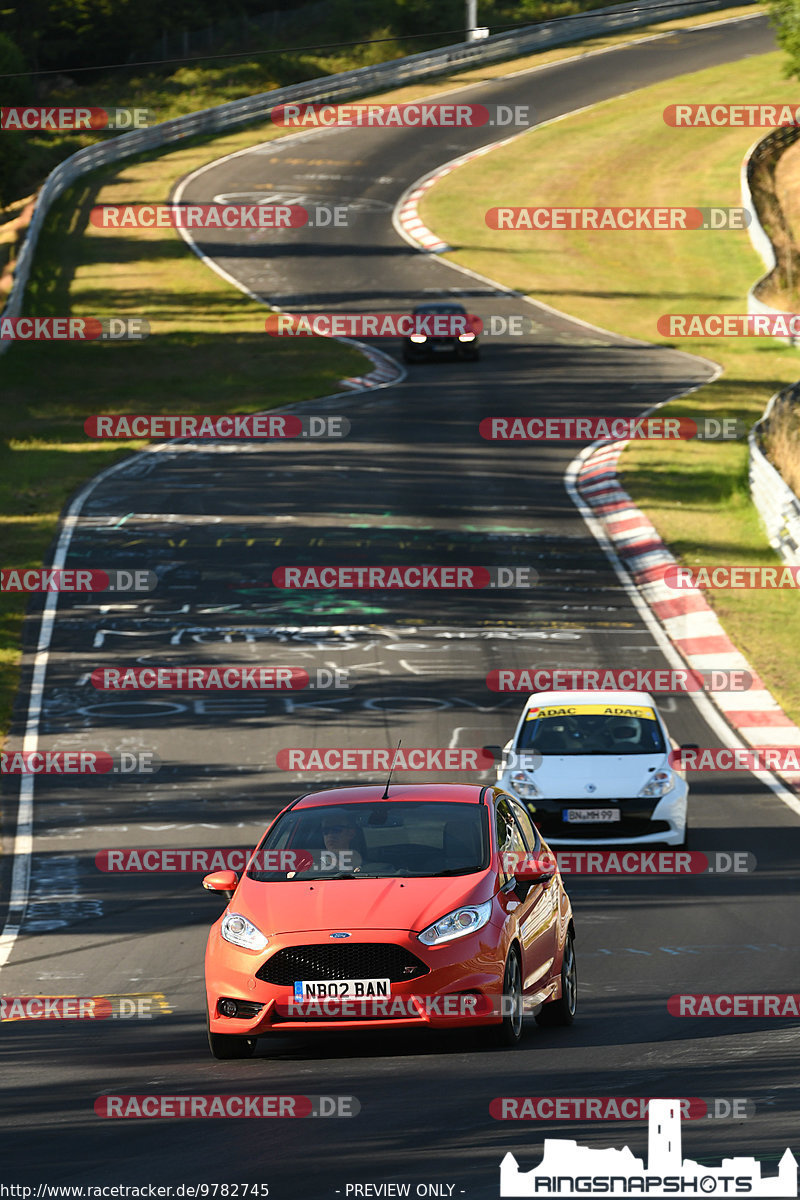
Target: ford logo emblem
[{"x": 340, "y": 935}]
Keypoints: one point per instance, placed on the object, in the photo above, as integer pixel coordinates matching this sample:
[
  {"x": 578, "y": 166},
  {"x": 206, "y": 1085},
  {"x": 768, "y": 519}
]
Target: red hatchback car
[{"x": 433, "y": 906}]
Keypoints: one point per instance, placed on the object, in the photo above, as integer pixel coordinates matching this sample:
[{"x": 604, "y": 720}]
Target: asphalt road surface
[{"x": 413, "y": 483}]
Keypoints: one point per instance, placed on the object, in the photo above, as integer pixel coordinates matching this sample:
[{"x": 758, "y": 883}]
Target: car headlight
[
  {"x": 660, "y": 783},
  {"x": 418, "y": 337},
  {"x": 237, "y": 929},
  {"x": 466, "y": 337},
  {"x": 457, "y": 923},
  {"x": 525, "y": 788}
]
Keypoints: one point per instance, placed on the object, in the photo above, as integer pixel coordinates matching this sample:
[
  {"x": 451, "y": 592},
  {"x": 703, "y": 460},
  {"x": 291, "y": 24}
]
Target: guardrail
[
  {"x": 347, "y": 85},
  {"x": 777, "y": 504}
]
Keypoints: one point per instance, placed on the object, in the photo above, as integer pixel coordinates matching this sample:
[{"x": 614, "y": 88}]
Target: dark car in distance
[{"x": 445, "y": 329}]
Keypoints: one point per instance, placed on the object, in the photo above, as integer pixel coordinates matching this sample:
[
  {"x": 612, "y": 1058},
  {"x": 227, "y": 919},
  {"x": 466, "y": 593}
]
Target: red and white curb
[
  {"x": 407, "y": 220},
  {"x": 386, "y": 370},
  {"x": 689, "y": 622}
]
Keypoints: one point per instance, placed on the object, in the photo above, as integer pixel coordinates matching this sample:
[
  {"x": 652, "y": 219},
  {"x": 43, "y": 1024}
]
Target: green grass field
[{"x": 622, "y": 152}]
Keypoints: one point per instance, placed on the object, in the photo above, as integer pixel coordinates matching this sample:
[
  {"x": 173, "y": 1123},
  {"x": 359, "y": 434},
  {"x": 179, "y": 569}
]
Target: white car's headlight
[
  {"x": 659, "y": 784},
  {"x": 237, "y": 929},
  {"x": 524, "y": 787},
  {"x": 457, "y": 923},
  {"x": 417, "y": 338},
  {"x": 466, "y": 337}
]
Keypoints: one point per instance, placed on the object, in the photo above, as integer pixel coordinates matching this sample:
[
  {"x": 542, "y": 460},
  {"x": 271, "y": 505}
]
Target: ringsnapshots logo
[
  {"x": 410, "y": 115},
  {"x": 592, "y": 429},
  {"x": 626, "y": 219},
  {"x": 569, "y": 1170},
  {"x": 73, "y": 120},
  {"x": 223, "y": 428}
]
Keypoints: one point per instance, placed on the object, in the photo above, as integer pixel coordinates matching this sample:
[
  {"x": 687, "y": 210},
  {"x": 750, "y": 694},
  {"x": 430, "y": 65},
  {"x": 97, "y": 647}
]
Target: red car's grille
[{"x": 359, "y": 960}]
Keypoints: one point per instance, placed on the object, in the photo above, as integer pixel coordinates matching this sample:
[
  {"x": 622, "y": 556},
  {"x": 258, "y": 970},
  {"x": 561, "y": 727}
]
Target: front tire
[
  {"x": 229, "y": 1045},
  {"x": 509, "y": 1033},
  {"x": 562, "y": 1011}
]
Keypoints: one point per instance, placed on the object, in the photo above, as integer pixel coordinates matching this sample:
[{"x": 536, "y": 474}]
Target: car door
[{"x": 534, "y": 907}]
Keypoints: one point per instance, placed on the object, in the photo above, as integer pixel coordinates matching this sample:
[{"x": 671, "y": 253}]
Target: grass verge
[{"x": 621, "y": 152}]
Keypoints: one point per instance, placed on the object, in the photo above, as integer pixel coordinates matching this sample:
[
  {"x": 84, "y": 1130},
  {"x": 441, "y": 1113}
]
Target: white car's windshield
[
  {"x": 380, "y": 841},
  {"x": 610, "y": 729}
]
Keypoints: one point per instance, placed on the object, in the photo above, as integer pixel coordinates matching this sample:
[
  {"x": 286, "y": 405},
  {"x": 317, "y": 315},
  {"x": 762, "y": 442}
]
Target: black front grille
[{"x": 359, "y": 960}]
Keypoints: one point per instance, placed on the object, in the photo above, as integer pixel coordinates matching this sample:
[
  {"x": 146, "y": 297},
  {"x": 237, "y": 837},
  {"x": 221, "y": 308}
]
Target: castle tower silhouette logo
[{"x": 568, "y": 1169}]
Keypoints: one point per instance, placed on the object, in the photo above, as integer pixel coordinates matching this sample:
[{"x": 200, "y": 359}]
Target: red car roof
[{"x": 456, "y": 793}]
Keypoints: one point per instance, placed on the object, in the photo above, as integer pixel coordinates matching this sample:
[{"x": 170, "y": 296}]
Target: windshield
[
  {"x": 381, "y": 841},
  {"x": 572, "y": 729}
]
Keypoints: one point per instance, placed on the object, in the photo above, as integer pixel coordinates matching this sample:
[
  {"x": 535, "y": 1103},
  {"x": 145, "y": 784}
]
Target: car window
[
  {"x": 525, "y": 824},
  {"x": 417, "y": 838},
  {"x": 509, "y": 837},
  {"x": 612, "y": 729}
]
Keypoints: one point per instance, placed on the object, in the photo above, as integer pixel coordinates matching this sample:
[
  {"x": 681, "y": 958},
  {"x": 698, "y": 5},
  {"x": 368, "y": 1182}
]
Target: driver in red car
[{"x": 342, "y": 836}]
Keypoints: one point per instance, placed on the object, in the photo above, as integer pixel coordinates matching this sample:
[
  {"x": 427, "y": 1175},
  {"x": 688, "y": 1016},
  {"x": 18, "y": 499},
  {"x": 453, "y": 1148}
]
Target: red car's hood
[{"x": 349, "y": 904}]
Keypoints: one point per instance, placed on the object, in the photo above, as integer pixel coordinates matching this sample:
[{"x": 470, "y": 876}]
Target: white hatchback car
[{"x": 592, "y": 768}]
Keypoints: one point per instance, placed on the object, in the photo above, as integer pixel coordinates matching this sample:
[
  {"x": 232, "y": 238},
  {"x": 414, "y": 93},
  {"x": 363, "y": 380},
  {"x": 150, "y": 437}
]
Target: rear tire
[
  {"x": 562, "y": 1011},
  {"x": 229, "y": 1045},
  {"x": 509, "y": 1032}
]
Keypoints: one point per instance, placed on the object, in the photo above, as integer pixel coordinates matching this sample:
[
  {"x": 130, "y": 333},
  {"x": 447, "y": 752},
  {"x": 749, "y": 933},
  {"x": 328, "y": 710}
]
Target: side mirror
[
  {"x": 494, "y": 752},
  {"x": 221, "y": 881},
  {"x": 528, "y": 869}
]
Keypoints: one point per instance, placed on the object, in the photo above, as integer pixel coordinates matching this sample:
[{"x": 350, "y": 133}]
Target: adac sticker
[{"x": 606, "y": 710}]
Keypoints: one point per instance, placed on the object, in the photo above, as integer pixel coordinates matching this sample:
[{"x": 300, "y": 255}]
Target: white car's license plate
[
  {"x": 341, "y": 989},
  {"x": 591, "y": 816},
  {"x": 438, "y": 348}
]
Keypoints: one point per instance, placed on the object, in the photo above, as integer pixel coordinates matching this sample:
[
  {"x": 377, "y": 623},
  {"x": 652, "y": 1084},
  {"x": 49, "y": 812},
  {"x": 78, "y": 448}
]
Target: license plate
[
  {"x": 441, "y": 349},
  {"x": 591, "y": 816},
  {"x": 341, "y": 989}
]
